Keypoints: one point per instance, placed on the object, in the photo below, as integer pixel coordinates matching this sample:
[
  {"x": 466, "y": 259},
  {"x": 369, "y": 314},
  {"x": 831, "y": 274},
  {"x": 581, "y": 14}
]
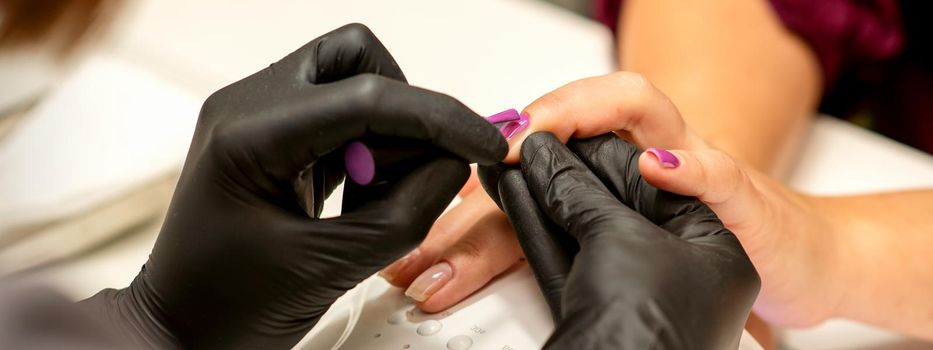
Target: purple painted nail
[
  {"x": 359, "y": 162},
  {"x": 664, "y": 157},
  {"x": 516, "y": 128},
  {"x": 512, "y": 128}
]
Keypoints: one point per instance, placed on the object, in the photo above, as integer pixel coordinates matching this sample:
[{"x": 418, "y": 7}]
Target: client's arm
[
  {"x": 862, "y": 257},
  {"x": 740, "y": 79},
  {"x": 886, "y": 268}
]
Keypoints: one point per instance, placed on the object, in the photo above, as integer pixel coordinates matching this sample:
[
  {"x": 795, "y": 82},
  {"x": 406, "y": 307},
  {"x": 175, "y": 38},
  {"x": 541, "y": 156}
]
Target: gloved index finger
[
  {"x": 615, "y": 162},
  {"x": 572, "y": 196},
  {"x": 547, "y": 248},
  {"x": 329, "y": 116},
  {"x": 342, "y": 53},
  {"x": 489, "y": 177}
]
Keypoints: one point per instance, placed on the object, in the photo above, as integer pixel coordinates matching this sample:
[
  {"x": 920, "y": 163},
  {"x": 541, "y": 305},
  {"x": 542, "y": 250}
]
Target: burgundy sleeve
[{"x": 845, "y": 34}]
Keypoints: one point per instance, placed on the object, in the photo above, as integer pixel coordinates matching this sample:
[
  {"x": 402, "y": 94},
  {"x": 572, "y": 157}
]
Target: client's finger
[
  {"x": 488, "y": 249},
  {"x": 624, "y": 102},
  {"x": 471, "y": 184},
  {"x": 446, "y": 231}
]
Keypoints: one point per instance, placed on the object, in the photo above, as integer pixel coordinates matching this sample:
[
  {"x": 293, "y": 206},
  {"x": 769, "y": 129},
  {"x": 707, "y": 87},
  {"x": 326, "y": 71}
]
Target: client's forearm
[
  {"x": 886, "y": 262},
  {"x": 741, "y": 81}
]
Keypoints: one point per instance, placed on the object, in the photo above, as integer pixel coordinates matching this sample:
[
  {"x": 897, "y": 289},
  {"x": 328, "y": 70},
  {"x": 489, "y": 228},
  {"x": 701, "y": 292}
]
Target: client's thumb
[{"x": 710, "y": 175}]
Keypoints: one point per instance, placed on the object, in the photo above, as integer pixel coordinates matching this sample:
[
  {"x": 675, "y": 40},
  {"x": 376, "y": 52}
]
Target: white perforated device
[{"x": 508, "y": 314}]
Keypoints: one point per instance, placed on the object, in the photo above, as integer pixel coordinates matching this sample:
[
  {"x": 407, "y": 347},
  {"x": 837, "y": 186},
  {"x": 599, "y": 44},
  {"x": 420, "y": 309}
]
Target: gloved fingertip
[
  {"x": 608, "y": 142},
  {"x": 486, "y": 146},
  {"x": 491, "y": 176},
  {"x": 458, "y": 170},
  {"x": 510, "y": 178},
  {"x": 538, "y": 139},
  {"x": 539, "y": 147},
  {"x": 355, "y": 32},
  {"x": 500, "y": 150}
]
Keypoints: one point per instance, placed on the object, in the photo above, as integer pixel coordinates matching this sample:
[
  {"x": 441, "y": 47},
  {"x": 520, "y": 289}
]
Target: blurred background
[{"x": 98, "y": 100}]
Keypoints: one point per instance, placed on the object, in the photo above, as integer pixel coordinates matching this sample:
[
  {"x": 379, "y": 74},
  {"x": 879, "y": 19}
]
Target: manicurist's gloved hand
[
  {"x": 622, "y": 264},
  {"x": 242, "y": 260}
]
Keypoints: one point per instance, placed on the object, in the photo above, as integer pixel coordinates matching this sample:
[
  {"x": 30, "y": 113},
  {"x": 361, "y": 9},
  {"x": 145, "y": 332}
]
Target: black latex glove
[
  {"x": 654, "y": 270},
  {"x": 239, "y": 261}
]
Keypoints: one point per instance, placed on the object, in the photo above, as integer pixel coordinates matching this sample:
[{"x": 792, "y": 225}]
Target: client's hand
[
  {"x": 473, "y": 242},
  {"x": 242, "y": 260},
  {"x": 791, "y": 246},
  {"x": 650, "y": 269}
]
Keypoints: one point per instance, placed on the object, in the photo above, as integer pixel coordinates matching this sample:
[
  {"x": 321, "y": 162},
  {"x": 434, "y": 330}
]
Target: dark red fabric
[
  {"x": 875, "y": 59},
  {"x": 845, "y": 32}
]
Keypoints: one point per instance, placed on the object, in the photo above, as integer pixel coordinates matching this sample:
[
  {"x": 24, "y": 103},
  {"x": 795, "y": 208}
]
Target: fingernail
[
  {"x": 664, "y": 157},
  {"x": 430, "y": 281},
  {"x": 515, "y": 127},
  {"x": 390, "y": 272}
]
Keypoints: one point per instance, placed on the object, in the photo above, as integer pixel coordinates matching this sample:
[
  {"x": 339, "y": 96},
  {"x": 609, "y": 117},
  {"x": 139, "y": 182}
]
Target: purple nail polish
[
  {"x": 375, "y": 159},
  {"x": 513, "y": 128},
  {"x": 361, "y": 167},
  {"x": 665, "y": 157}
]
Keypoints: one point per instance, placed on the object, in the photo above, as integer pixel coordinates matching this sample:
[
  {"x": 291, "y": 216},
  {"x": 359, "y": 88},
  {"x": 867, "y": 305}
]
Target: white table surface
[{"x": 491, "y": 54}]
